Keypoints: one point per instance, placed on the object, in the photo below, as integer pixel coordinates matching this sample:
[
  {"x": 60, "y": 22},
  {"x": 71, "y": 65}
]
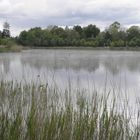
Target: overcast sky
[{"x": 24, "y": 14}]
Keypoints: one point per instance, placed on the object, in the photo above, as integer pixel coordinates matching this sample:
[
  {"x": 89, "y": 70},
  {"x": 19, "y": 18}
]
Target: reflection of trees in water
[
  {"x": 114, "y": 63},
  {"x": 76, "y": 64},
  {"x": 111, "y": 67},
  {"x": 5, "y": 62},
  {"x": 6, "y": 65},
  {"x": 111, "y": 62},
  {"x": 133, "y": 64}
]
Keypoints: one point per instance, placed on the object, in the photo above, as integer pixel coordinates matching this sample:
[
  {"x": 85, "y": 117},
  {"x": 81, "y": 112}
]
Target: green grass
[
  {"x": 14, "y": 48},
  {"x": 38, "y": 112}
]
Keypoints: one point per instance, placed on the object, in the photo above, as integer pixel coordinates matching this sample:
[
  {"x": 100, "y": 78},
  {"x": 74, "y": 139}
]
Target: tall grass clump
[{"x": 40, "y": 112}]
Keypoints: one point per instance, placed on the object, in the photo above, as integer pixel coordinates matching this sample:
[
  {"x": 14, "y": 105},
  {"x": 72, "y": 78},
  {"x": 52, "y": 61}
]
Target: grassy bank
[
  {"x": 39, "y": 112},
  {"x": 9, "y": 45},
  {"x": 14, "y": 48}
]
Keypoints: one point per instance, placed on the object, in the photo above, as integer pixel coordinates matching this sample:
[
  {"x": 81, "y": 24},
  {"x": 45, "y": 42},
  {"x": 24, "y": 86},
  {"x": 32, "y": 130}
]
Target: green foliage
[
  {"x": 79, "y": 30},
  {"x": 119, "y": 43},
  {"x": 9, "y": 45},
  {"x": 91, "y": 31},
  {"x": 102, "y": 39},
  {"x": 91, "y": 43},
  {"x": 7, "y": 42},
  {"x": 114, "y": 36},
  {"x": 57, "y": 36},
  {"x": 90, "y": 36},
  {"x": 134, "y": 42},
  {"x": 133, "y": 32}
]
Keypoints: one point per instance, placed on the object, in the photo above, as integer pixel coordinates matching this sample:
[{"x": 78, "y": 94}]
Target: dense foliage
[{"x": 91, "y": 36}]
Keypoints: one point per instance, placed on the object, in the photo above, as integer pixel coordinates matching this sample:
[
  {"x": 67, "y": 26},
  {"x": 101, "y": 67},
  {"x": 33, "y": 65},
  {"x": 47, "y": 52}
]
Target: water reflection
[
  {"x": 75, "y": 64},
  {"x": 119, "y": 69},
  {"x": 5, "y": 64},
  {"x": 83, "y": 60}
]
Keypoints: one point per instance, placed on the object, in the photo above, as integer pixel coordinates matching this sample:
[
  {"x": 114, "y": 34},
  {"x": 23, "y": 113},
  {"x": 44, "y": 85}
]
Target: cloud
[{"x": 30, "y": 13}]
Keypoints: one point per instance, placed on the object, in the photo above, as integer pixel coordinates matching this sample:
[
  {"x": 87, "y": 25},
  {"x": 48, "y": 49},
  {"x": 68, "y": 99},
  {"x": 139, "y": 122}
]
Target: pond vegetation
[{"x": 40, "y": 112}]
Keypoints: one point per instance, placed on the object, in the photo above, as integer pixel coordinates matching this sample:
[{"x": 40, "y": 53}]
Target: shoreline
[
  {"x": 7, "y": 50},
  {"x": 85, "y": 48}
]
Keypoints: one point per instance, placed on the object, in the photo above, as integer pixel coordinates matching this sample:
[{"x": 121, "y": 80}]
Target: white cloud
[{"x": 29, "y": 13}]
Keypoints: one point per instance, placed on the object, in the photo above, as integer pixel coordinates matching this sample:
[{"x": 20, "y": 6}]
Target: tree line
[{"x": 90, "y": 36}]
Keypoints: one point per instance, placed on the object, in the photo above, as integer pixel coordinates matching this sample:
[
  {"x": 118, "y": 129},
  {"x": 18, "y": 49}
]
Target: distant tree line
[{"x": 91, "y": 36}]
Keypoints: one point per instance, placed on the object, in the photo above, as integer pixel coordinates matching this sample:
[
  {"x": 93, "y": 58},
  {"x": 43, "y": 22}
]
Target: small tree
[
  {"x": 6, "y": 30},
  {"x": 0, "y": 34}
]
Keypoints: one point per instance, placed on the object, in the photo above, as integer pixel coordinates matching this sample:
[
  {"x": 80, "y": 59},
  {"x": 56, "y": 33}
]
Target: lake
[{"x": 104, "y": 71}]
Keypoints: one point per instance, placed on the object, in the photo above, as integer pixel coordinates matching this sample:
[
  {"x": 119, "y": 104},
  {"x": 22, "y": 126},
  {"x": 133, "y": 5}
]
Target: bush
[
  {"x": 134, "y": 42},
  {"x": 92, "y": 43},
  {"x": 9, "y": 45},
  {"x": 119, "y": 43},
  {"x": 7, "y": 42}
]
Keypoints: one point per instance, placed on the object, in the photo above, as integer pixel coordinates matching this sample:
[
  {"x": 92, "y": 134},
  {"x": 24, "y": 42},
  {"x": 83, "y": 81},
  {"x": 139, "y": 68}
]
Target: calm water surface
[{"x": 108, "y": 71}]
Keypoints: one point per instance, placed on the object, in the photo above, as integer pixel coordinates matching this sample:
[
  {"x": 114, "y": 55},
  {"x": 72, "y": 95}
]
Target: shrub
[{"x": 119, "y": 43}]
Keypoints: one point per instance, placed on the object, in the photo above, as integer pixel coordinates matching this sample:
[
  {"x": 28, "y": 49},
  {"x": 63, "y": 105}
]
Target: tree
[
  {"x": 134, "y": 42},
  {"x": 91, "y": 31},
  {"x": 101, "y": 38},
  {"x": 58, "y": 31},
  {"x": 23, "y": 38},
  {"x": 113, "y": 30},
  {"x": 133, "y": 31},
  {"x": 107, "y": 38},
  {"x": 6, "y": 29},
  {"x": 114, "y": 26},
  {"x": 114, "y": 36},
  {"x": 0, "y": 34},
  {"x": 78, "y": 29}
]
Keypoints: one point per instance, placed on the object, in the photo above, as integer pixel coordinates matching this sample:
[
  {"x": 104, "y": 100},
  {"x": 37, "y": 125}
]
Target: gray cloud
[{"x": 29, "y": 13}]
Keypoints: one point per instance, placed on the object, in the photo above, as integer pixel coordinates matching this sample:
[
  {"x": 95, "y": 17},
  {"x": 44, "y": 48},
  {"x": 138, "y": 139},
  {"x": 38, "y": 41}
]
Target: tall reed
[{"x": 38, "y": 112}]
